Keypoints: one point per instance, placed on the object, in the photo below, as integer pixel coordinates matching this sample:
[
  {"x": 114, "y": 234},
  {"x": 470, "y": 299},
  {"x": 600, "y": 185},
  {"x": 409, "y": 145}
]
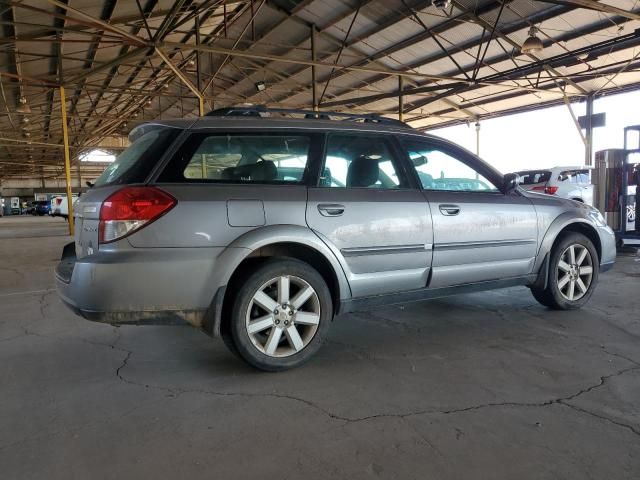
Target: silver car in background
[{"x": 261, "y": 230}]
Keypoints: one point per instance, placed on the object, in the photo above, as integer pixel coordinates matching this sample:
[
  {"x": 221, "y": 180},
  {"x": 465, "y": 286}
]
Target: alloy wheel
[
  {"x": 574, "y": 272},
  {"x": 283, "y": 316}
]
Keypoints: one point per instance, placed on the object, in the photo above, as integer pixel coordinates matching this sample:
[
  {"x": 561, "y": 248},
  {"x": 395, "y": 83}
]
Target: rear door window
[
  {"x": 360, "y": 161},
  {"x": 240, "y": 158}
]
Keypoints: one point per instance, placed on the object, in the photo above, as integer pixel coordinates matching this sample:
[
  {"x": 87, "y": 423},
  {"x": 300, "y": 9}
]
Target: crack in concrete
[
  {"x": 14, "y": 270},
  {"x": 43, "y": 304},
  {"x": 348, "y": 420},
  {"x": 631, "y": 428}
]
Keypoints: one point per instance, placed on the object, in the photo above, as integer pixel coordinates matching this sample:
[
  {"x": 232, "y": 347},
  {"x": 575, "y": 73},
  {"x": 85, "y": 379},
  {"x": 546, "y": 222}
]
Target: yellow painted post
[{"x": 67, "y": 160}]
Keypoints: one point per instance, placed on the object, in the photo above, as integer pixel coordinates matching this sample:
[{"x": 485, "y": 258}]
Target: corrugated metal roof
[{"x": 452, "y": 72}]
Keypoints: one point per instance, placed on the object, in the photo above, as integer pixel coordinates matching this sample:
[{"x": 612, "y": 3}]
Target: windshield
[{"x": 134, "y": 164}]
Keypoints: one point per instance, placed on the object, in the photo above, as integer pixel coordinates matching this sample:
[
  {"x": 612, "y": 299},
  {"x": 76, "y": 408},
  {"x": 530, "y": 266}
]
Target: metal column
[
  {"x": 588, "y": 132},
  {"x": 314, "y": 94},
  {"x": 67, "y": 160},
  {"x": 205, "y": 174},
  {"x": 400, "y": 98}
]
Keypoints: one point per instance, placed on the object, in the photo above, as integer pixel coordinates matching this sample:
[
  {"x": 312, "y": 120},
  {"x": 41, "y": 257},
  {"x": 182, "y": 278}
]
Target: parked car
[
  {"x": 54, "y": 206},
  {"x": 261, "y": 230},
  {"x": 29, "y": 208},
  {"x": 41, "y": 207},
  {"x": 59, "y": 206},
  {"x": 573, "y": 183}
]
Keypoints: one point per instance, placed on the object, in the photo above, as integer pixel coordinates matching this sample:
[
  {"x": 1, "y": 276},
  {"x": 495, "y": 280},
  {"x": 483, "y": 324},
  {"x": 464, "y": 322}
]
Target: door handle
[
  {"x": 449, "y": 210},
  {"x": 330, "y": 209}
]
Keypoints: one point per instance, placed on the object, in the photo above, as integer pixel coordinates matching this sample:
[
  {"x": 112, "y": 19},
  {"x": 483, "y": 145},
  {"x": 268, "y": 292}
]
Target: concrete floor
[{"x": 482, "y": 386}]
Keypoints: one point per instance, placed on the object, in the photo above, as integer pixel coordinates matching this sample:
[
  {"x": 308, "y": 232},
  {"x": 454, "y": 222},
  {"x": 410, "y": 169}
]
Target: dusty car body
[{"x": 352, "y": 214}]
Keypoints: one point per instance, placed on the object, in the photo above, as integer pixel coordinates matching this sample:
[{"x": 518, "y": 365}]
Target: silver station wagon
[{"x": 260, "y": 229}]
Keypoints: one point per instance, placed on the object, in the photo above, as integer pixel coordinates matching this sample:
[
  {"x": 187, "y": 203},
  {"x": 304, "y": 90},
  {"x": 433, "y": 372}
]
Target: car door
[
  {"x": 365, "y": 208},
  {"x": 480, "y": 234}
]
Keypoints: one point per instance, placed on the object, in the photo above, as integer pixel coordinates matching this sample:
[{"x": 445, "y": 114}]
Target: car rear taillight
[
  {"x": 130, "y": 209},
  {"x": 545, "y": 189}
]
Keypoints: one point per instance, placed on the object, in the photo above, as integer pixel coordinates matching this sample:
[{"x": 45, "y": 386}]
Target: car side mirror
[{"x": 510, "y": 182}]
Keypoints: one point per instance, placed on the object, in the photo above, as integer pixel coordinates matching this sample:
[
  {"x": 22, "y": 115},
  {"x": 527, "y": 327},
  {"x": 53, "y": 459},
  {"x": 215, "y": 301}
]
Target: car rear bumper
[{"x": 150, "y": 286}]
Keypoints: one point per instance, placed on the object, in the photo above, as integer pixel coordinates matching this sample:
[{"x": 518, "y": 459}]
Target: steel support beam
[
  {"x": 188, "y": 83},
  {"x": 400, "y": 98},
  {"x": 67, "y": 161},
  {"x": 588, "y": 132},
  {"x": 597, "y": 6},
  {"x": 314, "y": 80}
]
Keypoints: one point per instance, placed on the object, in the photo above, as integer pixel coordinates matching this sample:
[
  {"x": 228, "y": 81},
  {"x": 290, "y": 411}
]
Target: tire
[
  {"x": 270, "y": 337},
  {"x": 542, "y": 296},
  {"x": 572, "y": 276}
]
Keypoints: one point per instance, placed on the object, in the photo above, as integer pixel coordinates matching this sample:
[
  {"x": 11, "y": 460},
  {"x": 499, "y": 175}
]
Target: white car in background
[
  {"x": 573, "y": 183},
  {"x": 60, "y": 207}
]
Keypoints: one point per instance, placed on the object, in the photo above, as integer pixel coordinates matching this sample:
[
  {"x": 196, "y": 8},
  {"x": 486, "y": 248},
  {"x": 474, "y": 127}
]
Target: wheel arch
[
  {"x": 256, "y": 246},
  {"x": 567, "y": 223}
]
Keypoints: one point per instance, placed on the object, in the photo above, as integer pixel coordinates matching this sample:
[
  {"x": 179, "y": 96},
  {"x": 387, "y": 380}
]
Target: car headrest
[{"x": 362, "y": 172}]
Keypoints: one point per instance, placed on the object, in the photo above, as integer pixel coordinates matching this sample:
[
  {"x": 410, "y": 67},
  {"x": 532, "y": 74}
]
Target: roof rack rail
[{"x": 259, "y": 110}]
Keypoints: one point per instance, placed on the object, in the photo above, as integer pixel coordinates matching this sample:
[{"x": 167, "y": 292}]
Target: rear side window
[
  {"x": 134, "y": 164},
  {"x": 531, "y": 177},
  {"x": 583, "y": 176},
  {"x": 230, "y": 158},
  {"x": 569, "y": 176}
]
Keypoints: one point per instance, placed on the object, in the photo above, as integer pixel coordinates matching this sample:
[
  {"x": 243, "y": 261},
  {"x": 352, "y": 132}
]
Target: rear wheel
[
  {"x": 573, "y": 274},
  {"x": 281, "y": 315}
]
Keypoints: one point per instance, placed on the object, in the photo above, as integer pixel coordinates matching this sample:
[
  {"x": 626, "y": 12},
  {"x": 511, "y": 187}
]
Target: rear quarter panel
[{"x": 214, "y": 215}]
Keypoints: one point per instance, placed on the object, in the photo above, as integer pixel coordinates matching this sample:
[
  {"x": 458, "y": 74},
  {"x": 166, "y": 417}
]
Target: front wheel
[
  {"x": 573, "y": 274},
  {"x": 281, "y": 315}
]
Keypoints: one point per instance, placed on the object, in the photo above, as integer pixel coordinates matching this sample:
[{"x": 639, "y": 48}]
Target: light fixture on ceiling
[
  {"x": 23, "y": 106},
  {"x": 532, "y": 44},
  {"x": 441, "y": 4},
  {"x": 191, "y": 63},
  {"x": 149, "y": 102},
  {"x": 261, "y": 86}
]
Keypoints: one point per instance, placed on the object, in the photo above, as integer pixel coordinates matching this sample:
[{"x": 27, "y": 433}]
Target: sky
[{"x": 548, "y": 137}]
